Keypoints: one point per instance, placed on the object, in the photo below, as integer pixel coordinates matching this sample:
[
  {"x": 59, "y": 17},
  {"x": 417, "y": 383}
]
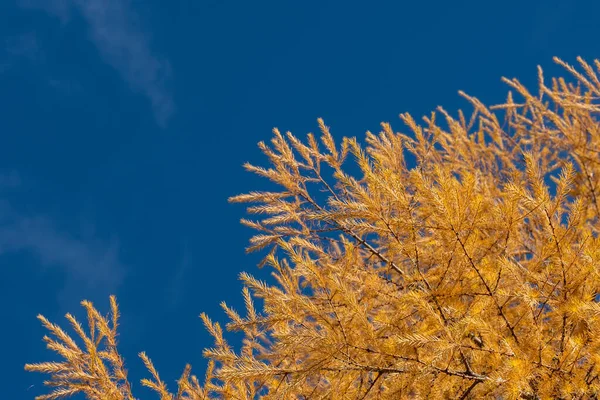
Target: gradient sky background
[{"x": 125, "y": 124}]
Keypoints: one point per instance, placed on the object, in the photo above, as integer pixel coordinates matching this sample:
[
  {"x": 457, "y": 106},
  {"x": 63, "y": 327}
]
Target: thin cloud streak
[
  {"x": 174, "y": 292},
  {"x": 91, "y": 267},
  {"x": 15, "y": 49},
  {"x": 90, "y": 264},
  {"x": 115, "y": 31}
]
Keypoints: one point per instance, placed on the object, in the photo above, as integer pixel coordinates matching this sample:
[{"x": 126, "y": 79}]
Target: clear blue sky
[{"x": 125, "y": 124}]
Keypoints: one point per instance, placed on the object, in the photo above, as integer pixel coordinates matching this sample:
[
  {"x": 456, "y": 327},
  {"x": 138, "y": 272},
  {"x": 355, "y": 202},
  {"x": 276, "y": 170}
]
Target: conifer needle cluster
[{"x": 458, "y": 260}]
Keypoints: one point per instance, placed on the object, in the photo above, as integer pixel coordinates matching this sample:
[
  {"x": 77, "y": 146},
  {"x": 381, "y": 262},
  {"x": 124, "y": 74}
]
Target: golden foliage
[{"x": 473, "y": 274}]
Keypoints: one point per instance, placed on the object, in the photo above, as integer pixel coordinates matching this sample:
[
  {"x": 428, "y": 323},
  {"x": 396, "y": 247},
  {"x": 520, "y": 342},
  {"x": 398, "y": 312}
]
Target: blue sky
[{"x": 125, "y": 124}]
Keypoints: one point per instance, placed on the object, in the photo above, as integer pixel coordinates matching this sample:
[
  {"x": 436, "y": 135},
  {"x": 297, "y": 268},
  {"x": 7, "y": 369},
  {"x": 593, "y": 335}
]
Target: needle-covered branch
[{"x": 458, "y": 260}]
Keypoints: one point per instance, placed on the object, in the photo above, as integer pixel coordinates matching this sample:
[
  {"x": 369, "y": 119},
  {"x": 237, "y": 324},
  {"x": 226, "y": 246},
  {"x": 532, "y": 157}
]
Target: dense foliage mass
[{"x": 460, "y": 260}]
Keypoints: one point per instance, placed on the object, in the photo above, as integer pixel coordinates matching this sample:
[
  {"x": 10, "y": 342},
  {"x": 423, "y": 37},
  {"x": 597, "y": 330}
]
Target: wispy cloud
[
  {"x": 115, "y": 30},
  {"x": 15, "y": 49},
  {"x": 174, "y": 291},
  {"x": 59, "y": 8},
  {"x": 65, "y": 86},
  {"x": 90, "y": 264},
  {"x": 28, "y": 48},
  {"x": 23, "y": 46}
]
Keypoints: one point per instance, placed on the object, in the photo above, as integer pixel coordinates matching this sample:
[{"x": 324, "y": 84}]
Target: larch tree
[{"x": 469, "y": 271}]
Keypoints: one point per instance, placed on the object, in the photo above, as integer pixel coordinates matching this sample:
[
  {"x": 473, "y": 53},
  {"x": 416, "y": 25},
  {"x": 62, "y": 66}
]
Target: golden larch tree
[{"x": 470, "y": 272}]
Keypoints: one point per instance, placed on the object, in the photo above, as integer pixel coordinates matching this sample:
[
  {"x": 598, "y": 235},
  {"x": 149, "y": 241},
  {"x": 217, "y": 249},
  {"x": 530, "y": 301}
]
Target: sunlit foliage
[{"x": 457, "y": 260}]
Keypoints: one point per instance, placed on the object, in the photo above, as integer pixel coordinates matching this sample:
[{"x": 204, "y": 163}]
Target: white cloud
[
  {"x": 174, "y": 290},
  {"x": 91, "y": 265},
  {"x": 115, "y": 31}
]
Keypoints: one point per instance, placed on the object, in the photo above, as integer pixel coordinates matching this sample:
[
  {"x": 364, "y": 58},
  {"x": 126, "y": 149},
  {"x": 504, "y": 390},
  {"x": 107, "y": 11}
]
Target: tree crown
[{"x": 473, "y": 273}]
